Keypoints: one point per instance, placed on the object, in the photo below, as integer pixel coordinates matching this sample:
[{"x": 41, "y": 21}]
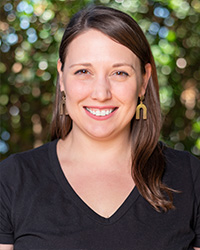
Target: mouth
[{"x": 100, "y": 112}]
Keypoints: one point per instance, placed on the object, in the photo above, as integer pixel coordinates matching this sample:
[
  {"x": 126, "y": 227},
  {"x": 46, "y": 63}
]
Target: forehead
[{"x": 93, "y": 44}]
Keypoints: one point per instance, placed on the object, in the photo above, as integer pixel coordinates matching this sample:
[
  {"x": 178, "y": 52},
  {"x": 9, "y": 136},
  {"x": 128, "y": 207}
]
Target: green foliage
[{"x": 30, "y": 32}]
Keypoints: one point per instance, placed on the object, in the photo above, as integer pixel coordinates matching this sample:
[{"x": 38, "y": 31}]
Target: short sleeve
[
  {"x": 6, "y": 228},
  {"x": 195, "y": 166}
]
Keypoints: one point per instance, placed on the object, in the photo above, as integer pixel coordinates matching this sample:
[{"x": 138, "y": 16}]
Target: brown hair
[{"x": 148, "y": 160}]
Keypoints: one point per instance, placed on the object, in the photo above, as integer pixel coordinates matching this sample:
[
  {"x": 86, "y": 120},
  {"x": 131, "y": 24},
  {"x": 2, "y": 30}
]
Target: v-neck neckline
[{"x": 67, "y": 188}]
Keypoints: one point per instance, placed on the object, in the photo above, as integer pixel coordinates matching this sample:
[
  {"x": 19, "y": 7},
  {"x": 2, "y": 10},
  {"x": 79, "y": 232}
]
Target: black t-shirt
[{"x": 39, "y": 209}]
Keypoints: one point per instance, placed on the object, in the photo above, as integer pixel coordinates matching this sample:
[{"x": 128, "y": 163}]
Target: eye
[
  {"x": 121, "y": 73},
  {"x": 81, "y": 72}
]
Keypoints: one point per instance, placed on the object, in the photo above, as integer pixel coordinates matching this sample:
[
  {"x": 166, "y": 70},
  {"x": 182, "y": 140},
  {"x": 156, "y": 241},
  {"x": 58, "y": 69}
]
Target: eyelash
[
  {"x": 85, "y": 71},
  {"x": 121, "y": 73},
  {"x": 81, "y": 71}
]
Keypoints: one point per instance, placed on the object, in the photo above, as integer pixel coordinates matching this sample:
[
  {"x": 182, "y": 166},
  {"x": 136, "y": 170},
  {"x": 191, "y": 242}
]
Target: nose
[{"x": 101, "y": 89}]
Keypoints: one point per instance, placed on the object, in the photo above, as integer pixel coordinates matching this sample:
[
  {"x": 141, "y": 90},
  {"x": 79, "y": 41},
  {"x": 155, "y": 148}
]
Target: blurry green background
[{"x": 30, "y": 32}]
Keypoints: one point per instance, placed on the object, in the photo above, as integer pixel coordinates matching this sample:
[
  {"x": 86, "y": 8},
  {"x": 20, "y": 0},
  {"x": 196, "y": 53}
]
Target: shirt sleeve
[
  {"x": 6, "y": 228},
  {"x": 195, "y": 166}
]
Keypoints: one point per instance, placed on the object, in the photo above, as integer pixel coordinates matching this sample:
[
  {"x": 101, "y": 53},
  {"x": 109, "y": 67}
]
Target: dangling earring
[
  {"x": 63, "y": 109},
  {"x": 143, "y": 107}
]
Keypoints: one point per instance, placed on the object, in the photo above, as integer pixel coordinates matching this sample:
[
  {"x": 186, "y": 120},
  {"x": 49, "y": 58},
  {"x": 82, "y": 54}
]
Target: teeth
[{"x": 100, "y": 112}]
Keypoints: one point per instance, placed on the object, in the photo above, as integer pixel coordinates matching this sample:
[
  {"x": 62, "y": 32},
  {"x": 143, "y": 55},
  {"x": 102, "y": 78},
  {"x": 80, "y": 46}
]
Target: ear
[
  {"x": 60, "y": 72},
  {"x": 146, "y": 78}
]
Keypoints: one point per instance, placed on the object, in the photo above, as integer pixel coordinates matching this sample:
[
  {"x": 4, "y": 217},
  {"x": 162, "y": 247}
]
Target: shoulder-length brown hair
[{"x": 147, "y": 158}]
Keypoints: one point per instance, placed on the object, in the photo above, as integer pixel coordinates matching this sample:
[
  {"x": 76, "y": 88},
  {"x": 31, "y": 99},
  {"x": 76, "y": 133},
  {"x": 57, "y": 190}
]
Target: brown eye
[
  {"x": 82, "y": 72},
  {"x": 121, "y": 73}
]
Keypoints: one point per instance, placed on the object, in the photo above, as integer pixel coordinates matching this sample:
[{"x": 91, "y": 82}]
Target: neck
[{"x": 98, "y": 152}]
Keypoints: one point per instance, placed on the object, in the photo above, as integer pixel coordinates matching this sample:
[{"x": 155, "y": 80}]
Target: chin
[{"x": 100, "y": 135}]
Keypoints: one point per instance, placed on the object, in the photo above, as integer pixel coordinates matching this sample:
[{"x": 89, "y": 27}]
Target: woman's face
[{"x": 102, "y": 80}]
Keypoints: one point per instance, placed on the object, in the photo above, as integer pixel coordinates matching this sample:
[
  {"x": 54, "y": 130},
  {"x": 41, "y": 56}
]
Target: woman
[{"x": 104, "y": 182}]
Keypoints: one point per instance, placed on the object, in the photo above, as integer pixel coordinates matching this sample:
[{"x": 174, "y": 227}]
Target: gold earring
[
  {"x": 63, "y": 109},
  {"x": 144, "y": 109}
]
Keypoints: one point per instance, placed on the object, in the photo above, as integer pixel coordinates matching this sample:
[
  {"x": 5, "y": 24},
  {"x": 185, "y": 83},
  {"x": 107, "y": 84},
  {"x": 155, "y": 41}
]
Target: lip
[
  {"x": 100, "y": 107},
  {"x": 100, "y": 118}
]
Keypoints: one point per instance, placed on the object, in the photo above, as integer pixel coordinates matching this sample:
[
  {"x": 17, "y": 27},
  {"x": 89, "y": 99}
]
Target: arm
[
  {"x": 9, "y": 247},
  {"x": 6, "y": 191},
  {"x": 195, "y": 167}
]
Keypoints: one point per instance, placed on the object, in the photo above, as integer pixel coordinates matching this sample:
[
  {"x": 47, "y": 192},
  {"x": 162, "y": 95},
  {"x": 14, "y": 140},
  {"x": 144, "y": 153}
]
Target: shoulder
[
  {"x": 180, "y": 159},
  {"x": 27, "y": 161},
  {"x": 182, "y": 168}
]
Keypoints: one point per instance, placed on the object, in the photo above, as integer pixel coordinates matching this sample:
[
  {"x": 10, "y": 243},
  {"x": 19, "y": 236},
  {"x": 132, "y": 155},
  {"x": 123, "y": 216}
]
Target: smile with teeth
[{"x": 100, "y": 112}]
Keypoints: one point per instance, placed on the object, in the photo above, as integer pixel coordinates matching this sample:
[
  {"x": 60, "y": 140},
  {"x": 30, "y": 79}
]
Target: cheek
[
  {"x": 128, "y": 93},
  {"x": 76, "y": 91}
]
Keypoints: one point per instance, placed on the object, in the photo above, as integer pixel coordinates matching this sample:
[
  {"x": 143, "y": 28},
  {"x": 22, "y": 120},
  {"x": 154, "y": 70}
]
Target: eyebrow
[
  {"x": 114, "y": 65},
  {"x": 123, "y": 64},
  {"x": 81, "y": 64}
]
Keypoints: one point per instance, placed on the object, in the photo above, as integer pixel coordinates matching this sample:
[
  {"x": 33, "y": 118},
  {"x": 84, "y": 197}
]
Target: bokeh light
[{"x": 30, "y": 33}]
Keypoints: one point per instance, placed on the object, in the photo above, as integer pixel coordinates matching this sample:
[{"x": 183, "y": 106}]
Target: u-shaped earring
[
  {"x": 144, "y": 109},
  {"x": 63, "y": 108}
]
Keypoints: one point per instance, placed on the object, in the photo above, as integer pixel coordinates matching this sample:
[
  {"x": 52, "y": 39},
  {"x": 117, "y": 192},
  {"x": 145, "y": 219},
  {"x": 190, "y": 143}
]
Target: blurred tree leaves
[{"x": 30, "y": 32}]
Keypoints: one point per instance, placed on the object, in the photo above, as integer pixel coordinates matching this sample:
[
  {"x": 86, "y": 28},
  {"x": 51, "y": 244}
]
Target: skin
[{"x": 6, "y": 247}]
